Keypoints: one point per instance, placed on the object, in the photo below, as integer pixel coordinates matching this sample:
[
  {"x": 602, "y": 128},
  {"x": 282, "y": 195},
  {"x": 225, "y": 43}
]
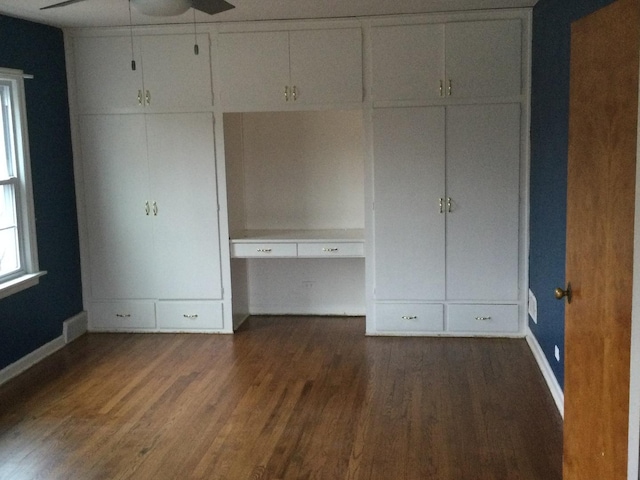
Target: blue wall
[
  {"x": 33, "y": 317},
  {"x": 549, "y": 145}
]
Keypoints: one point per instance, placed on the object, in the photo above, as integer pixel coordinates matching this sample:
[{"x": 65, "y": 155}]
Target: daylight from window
[{"x": 9, "y": 250}]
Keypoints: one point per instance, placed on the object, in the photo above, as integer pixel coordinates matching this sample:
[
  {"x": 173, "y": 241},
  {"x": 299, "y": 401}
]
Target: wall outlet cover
[{"x": 556, "y": 352}]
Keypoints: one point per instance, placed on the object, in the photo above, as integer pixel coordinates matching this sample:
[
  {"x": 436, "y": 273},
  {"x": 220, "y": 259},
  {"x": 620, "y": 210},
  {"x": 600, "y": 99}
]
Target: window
[{"x": 18, "y": 253}]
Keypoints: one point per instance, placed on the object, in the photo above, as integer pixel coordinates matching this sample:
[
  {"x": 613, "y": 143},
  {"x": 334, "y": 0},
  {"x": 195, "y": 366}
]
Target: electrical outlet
[
  {"x": 533, "y": 307},
  {"x": 556, "y": 352}
]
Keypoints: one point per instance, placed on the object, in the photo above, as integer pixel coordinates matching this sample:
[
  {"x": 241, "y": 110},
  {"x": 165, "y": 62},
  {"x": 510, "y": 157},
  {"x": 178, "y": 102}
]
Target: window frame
[{"x": 29, "y": 273}]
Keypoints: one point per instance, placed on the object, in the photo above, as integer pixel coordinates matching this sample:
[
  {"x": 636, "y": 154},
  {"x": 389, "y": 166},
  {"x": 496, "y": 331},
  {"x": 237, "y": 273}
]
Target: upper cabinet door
[
  {"x": 105, "y": 81},
  {"x": 484, "y": 58},
  {"x": 168, "y": 77},
  {"x": 326, "y": 66},
  {"x": 254, "y": 69},
  {"x": 175, "y": 78},
  {"x": 408, "y": 62},
  {"x": 447, "y": 61}
]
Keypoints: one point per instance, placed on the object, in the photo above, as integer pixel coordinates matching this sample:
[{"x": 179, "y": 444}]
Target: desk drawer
[
  {"x": 257, "y": 250},
  {"x": 331, "y": 249},
  {"x": 124, "y": 315}
]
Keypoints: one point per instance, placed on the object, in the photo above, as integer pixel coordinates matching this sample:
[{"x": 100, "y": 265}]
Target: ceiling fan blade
[
  {"x": 62, "y": 4},
  {"x": 209, "y": 6}
]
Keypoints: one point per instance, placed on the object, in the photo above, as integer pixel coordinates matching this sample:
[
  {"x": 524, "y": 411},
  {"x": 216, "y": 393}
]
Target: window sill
[{"x": 21, "y": 283}]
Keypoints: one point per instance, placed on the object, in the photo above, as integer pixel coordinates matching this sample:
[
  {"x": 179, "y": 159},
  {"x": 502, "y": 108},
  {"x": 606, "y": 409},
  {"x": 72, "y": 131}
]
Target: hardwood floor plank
[{"x": 285, "y": 398}]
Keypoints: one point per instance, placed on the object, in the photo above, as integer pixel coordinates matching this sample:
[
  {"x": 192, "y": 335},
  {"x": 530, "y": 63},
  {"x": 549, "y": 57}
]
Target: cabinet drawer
[
  {"x": 189, "y": 315},
  {"x": 483, "y": 318},
  {"x": 409, "y": 317},
  {"x": 331, "y": 249},
  {"x": 264, "y": 250},
  {"x": 122, "y": 315}
]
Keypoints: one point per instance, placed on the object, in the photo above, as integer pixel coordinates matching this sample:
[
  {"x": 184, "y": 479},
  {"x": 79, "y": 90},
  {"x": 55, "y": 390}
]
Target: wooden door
[
  {"x": 483, "y": 179},
  {"x": 600, "y": 218},
  {"x": 409, "y": 216}
]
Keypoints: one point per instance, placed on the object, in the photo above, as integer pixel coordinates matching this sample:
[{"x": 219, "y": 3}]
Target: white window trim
[{"x": 30, "y": 272}]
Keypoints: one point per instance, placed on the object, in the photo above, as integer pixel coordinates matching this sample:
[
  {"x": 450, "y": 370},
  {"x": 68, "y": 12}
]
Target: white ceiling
[{"x": 94, "y": 13}]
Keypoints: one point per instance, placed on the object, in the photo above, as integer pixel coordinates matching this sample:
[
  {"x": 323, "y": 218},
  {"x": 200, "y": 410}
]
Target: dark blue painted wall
[
  {"x": 549, "y": 145},
  {"x": 33, "y": 317}
]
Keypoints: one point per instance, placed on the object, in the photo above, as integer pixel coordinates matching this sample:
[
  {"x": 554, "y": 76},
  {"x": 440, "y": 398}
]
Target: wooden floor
[{"x": 284, "y": 398}]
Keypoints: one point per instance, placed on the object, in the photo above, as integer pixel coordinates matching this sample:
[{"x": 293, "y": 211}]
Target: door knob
[{"x": 560, "y": 293}]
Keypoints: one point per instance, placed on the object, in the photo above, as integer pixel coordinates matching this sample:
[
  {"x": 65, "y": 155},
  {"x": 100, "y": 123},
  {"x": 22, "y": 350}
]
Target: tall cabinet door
[
  {"x": 483, "y": 165},
  {"x": 184, "y": 209},
  {"x": 119, "y": 222},
  {"x": 409, "y": 169}
]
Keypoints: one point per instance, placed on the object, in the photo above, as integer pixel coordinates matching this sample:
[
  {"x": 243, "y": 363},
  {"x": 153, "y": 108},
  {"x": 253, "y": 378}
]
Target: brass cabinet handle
[{"x": 560, "y": 293}]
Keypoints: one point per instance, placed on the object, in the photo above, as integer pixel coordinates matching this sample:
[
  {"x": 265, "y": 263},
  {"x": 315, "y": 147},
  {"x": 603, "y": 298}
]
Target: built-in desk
[{"x": 297, "y": 243}]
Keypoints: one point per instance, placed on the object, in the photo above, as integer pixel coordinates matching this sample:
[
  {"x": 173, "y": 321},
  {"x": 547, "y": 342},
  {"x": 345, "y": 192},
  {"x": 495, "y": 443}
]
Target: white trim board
[
  {"x": 72, "y": 328},
  {"x": 547, "y": 372}
]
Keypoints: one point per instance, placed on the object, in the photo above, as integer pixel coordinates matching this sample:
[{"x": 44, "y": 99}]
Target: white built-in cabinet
[
  {"x": 457, "y": 59},
  {"x": 168, "y": 75},
  {"x": 372, "y": 164},
  {"x": 446, "y": 143},
  {"x": 149, "y": 183},
  {"x": 282, "y": 69},
  {"x": 446, "y": 213}
]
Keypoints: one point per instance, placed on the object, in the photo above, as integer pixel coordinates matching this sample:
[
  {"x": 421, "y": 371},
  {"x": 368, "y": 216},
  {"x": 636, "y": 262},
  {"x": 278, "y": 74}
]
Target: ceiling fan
[{"x": 165, "y": 8}]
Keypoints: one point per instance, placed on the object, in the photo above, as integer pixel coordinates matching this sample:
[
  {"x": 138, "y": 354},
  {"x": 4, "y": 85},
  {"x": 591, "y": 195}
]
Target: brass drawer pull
[
  {"x": 483, "y": 319},
  {"x": 329, "y": 249},
  {"x": 190, "y": 316},
  {"x": 123, "y": 315},
  {"x": 264, "y": 250},
  {"x": 409, "y": 317}
]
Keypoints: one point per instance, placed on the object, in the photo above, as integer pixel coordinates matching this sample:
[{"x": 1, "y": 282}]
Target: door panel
[
  {"x": 116, "y": 191},
  {"x": 173, "y": 75},
  {"x": 483, "y": 165},
  {"x": 326, "y": 65},
  {"x": 408, "y": 220},
  {"x": 600, "y": 216},
  {"x": 185, "y": 212},
  {"x": 408, "y": 62}
]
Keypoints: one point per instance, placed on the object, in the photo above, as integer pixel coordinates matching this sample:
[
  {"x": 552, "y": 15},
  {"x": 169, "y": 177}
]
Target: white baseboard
[
  {"x": 547, "y": 372},
  {"x": 75, "y": 327},
  {"x": 72, "y": 329}
]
